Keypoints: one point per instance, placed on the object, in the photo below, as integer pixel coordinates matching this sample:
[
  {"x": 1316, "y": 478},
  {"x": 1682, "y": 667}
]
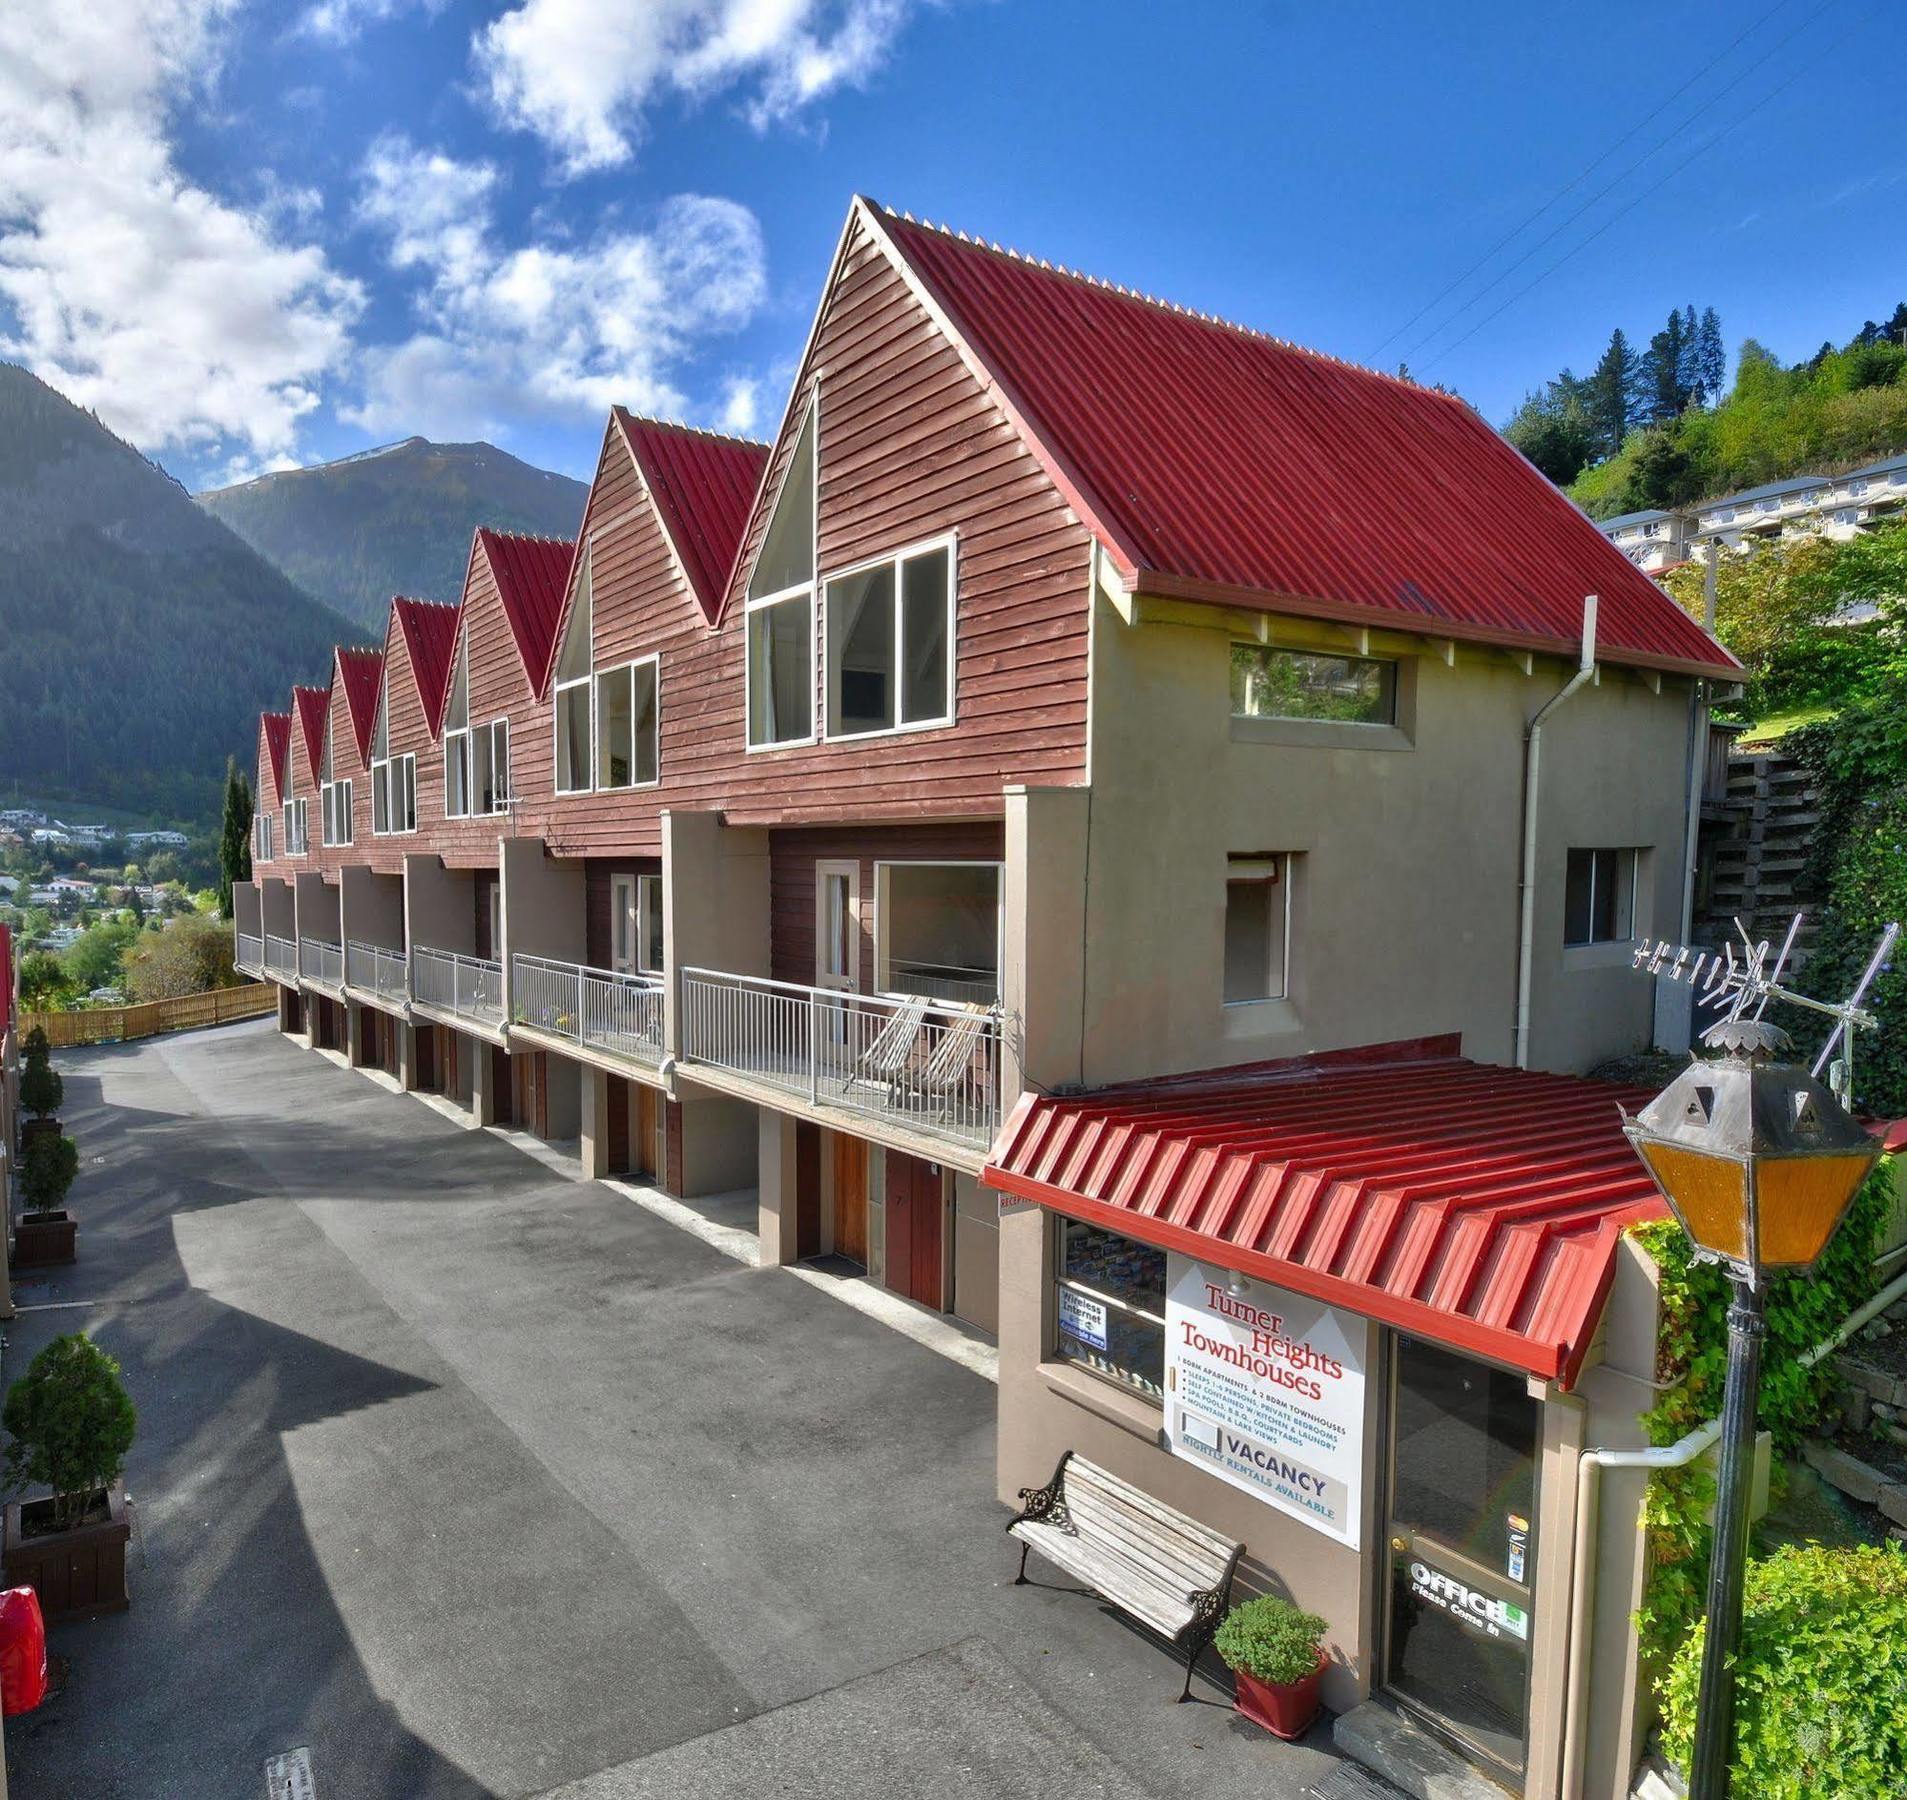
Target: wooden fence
[{"x": 114, "y": 1024}]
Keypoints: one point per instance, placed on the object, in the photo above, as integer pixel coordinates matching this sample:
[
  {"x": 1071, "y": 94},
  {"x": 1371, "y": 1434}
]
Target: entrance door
[
  {"x": 913, "y": 1228},
  {"x": 646, "y": 1155},
  {"x": 837, "y": 936},
  {"x": 850, "y": 1198},
  {"x": 502, "y": 1084},
  {"x": 616, "y": 1110},
  {"x": 1462, "y": 1549},
  {"x": 425, "y": 1038},
  {"x": 807, "y": 1190}
]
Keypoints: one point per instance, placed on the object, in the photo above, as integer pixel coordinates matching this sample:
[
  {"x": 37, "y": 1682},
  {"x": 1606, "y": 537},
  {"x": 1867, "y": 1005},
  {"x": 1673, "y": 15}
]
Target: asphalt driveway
[{"x": 477, "y": 1480}]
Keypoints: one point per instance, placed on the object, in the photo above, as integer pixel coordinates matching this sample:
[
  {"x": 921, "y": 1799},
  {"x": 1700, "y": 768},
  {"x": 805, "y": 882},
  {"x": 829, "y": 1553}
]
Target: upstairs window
[
  {"x": 626, "y": 725},
  {"x": 393, "y": 778},
  {"x": 490, "y": 777},
  {"x": 262, "y": 837},
  {"x": 1599, "y": 897},
  {"x": 572, "y": 707},
  {"x": 890, "y": 635},
  {"x": 295, "y": 841},
  {"x": 1257, "y": 928},
  {"x": 780, "y": 605},
  {"x": 1305, "y": 684},
  {"x": 457, "y": 787},
  {"x": 334, "y": 800}
]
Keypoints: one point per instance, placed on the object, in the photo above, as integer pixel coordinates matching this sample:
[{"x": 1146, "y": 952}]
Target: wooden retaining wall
[{"x": 115, "y": 1024}]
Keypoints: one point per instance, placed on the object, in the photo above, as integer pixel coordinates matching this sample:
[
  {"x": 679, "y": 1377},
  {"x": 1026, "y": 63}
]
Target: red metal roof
[
  {"x": 430, "y": 638},
  {"x": 277, "y": 729},
  {"x": 1218, "y": 463},
  {"x": 703, "y": 486},
  {"x": 313, "y": 706},
  {"x": 362, "y": 673},
  {"x": 532, "y": 575},
  {"x": 1476, "y": 1206}
]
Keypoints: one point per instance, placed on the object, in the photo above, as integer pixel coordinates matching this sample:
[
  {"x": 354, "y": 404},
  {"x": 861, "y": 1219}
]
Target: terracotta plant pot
[
  {"x": 43, "y": 1239},
  {"x": 77, "y": 1572},
  {"x": 1285, "y": 1709}
]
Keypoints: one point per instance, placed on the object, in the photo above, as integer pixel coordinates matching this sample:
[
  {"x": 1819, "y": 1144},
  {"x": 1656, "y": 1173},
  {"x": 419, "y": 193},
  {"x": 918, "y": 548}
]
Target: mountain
[
  {"x": 393, "y": 521},
  {"x": 139, "y": 638}
]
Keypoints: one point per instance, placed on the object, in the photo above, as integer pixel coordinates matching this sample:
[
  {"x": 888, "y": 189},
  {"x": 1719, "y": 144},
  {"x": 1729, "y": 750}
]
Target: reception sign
[{"x": 1266, "y": 1390}]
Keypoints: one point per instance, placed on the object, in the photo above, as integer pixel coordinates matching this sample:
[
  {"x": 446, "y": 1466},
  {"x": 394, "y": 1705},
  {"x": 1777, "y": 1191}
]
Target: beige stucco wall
[
  {"x": 316, "y": 907},
  {"x": 440, "y": 906},
  {"x": 247, "y": 909},
  {"x": 371, "y": 907},
  {"x": 1405, "y": 893},
  {"x": 277, "y": 909}
]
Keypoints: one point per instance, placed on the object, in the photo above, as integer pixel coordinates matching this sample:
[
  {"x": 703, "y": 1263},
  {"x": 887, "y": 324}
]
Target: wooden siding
[{"x": 792, "y": 856}]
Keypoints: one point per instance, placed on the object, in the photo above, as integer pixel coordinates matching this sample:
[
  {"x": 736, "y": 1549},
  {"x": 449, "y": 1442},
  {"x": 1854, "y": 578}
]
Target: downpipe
[{"x": 1532, "y": 774}]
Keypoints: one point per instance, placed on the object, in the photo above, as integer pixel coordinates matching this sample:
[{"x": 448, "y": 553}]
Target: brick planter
[
  {"x": 76, "y": 1573},
  {"x": 41, "y": 1240}
]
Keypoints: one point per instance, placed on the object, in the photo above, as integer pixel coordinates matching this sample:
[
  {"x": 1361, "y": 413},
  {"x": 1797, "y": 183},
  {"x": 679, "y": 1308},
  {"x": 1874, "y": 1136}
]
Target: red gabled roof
[
  {"x": 362, "y": 673},
  {"x": 1216, "y": 463},
  {"x": 1480, "y": 1207},
  {"x": 277, "y": 729},
  {"x": 430, "y": 637},
  {"x": 313, "y": 705},
  {"x": 532, "y": 575},
  {"x": 703, "y": 486}
]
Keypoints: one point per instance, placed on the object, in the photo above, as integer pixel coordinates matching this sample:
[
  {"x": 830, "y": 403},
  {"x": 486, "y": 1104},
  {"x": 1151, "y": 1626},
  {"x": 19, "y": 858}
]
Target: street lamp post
[{"x": 1758, "y": 1161}]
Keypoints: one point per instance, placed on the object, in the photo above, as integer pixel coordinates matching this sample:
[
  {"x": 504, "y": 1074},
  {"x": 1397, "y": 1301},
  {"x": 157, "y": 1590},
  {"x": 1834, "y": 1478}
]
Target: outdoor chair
[{"x": 883, "y": 1063}]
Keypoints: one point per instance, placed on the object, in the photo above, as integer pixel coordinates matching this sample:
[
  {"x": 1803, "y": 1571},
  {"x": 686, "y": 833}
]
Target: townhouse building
[{"x": 1040, "y": 828}]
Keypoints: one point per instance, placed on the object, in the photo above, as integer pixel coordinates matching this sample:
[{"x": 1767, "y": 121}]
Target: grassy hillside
[
  {"x": 141, "y": 637},
  {"x": 393, "y": 521}
]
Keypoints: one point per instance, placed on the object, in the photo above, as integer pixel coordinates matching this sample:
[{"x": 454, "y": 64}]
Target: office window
[
  {"x": 890, "y": 630},
  {"x": 780, "y": 606},
  {"x": 627, "y": 749},
  {"x": 1257, "y": 928},
  {"x": 1599, "y": 897},
  {"x": 1304, "y": 684},
  {"x": 1109, "y": 1305},
  {"x": 572, "y": 706}
]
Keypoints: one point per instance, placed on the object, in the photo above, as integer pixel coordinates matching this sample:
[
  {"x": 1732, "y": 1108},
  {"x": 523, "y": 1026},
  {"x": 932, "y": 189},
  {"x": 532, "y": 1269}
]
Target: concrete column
[
  {"x": 277, "y": 910},
  {"x": 440, "y": 905},
  {"x": 354, "y": 1033},
  {"x": 1043, "y": 971},
  {"x": 776, "y": 1177},
  {"x": 371, "y": 907},
  {"x": 315, "y": 907},
  {"x": 544, "y": 908},
  {"x": 595, "y": 1120},
  {"x": 483, "y": 1080},
  {"x": 715, "y": 905},
  {"x": 407, "y": 1056}
]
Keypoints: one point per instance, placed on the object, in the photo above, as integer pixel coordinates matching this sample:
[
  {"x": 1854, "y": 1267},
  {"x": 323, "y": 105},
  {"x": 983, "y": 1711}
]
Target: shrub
[
  {"x": 1271, "y": 1639},
  {"x": 41, "y": 1089},
  {"x": 35, "y": 1051},
  {"x": 47, "y": 1172},
  {"x": 1821, "y": 1680},
  {"x": 70, "y": 1422}
]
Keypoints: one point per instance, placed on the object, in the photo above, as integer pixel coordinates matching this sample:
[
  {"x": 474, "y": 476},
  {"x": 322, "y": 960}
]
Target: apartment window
[
  {"x": 393, "y": 779},
  {"x": 295, "y": 840},
  {"x": 1257, "y": 928},
  {"x": 937, "y": 930},
  {"x": 1767, "y": 506},
  {"x": 490, "y": 775},
  {"x": 1855, "y": 489},
  {"x": 572, "y": 695},
  {"x": 780, "y": 607},
  {"x": 890, "y": 636},
  {"x": 262, "y": 837},
  {"x": 649, "y": 924},
  {"x": 1599, "y": 897},
  {"x": 623, "y": 923},
  {"x": 1848, "y": 515},
  {"x": 1304, "y": 684},
  {"x": 627, "y": 745},
  {"x": 457, "y": 787},
  {"x": 334, "y": 801},
  {"x": 1109, "y": 1305}
]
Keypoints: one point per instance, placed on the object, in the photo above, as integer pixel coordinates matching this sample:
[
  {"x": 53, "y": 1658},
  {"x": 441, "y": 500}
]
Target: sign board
[
  {"x": 1083, "y": 1317},
  {"x": 1266, "y": 1390},
  {"x": 1481, "y": 1612}
]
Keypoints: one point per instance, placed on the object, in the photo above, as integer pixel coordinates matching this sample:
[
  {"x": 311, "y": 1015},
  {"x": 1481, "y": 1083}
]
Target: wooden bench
[{"x": 1159, "y": 1565}]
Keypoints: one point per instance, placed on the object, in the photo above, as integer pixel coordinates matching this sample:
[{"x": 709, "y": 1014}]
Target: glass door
[
  {"x": 1462, "y": 1549},
  {"x": 837, "y": 946}
]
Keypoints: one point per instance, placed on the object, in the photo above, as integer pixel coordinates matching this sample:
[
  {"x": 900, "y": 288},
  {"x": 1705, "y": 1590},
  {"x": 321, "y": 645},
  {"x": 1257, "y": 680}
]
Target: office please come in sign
[{"x": 1266, "y": 1389}]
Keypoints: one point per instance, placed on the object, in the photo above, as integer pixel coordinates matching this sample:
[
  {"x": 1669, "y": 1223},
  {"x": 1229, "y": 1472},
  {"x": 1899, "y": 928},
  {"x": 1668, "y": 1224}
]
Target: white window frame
[
  {"x": 883, "y": 986},
  {"x": 648, "y": 905},
  {"x": 624, "y": 906},
  {"x": 596, "y": 677},
  {"x": 297, "y": 827},
  {"x": 558, "y": 689},
  {"x": 1634, "y": 853},
  {"x": 262, "y": 824},
  {"x": 1282, "y": 858},
  {"x": 810, "y": 588},
  {"x": 457, "y": 735},
  {"x": 501, "y": 795},
  {"x": 948, "y": 541}
]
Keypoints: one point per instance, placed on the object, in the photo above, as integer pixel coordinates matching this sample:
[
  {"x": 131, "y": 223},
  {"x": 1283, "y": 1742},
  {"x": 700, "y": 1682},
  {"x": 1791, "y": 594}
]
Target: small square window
[
  {"x": 1599, "y": 897},
  {"x": 1109, "y": 1303},
  {"x": 1257, "y": 928}
]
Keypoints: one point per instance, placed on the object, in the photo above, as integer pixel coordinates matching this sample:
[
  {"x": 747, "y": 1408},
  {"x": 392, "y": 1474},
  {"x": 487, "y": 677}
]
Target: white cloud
[
  {"x": 550, "y": 326},
  {"x": 343, "y": 21},
  {"x": 741, "y": 404},
  {"x": 579, "y": 73},
  {"x": 182, "y": 319}
]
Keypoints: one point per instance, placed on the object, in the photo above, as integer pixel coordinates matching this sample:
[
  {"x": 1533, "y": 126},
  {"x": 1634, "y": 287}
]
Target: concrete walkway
[{"x": 475, "y": 1479}]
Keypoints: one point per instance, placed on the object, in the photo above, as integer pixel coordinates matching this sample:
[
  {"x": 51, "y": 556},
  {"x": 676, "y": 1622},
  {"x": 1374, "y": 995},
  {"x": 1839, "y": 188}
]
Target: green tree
[
  {"x": 192, "y": 954},
  {"x": 95, "y": 958},
  {"x": 1553, "y": 429},
  {"x": 44, "y": 983},
  {"x": 70, "y": 1422},
  {"x": 235, "y": 836},
  {"x": 1610, "y": 394}
]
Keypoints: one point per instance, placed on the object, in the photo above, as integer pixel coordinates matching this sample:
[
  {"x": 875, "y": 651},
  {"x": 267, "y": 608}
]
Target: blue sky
[{"x": 252, "y": 236}]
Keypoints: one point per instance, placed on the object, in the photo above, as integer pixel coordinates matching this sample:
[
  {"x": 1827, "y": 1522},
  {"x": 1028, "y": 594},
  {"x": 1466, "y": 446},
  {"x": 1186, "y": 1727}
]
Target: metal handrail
[
  {"x": 374, "y": 969},
  {"x": 611, "y": 1010},
  {"x": 929, "y": 1064},
  {"x": 281, "y": 954},
  {"x": 249, "y": 954},
  {"x": 321, "y": 961},
  {"x": 471, "y": 987}
]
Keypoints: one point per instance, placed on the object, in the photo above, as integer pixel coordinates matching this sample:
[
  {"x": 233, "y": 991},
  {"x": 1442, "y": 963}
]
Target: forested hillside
[
  {"x": 1656, "y": 426},
  {"x": 393, "y": 521},
  {"x": 141, "y": 637}
]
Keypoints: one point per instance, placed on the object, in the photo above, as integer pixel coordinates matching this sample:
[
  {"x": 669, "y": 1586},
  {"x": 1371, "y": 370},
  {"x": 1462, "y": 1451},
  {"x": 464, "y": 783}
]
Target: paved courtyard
[{"x": 474, "y": 1479}]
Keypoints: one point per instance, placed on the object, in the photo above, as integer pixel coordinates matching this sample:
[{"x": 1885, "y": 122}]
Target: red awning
[{"x": 1476, "y": 1206}]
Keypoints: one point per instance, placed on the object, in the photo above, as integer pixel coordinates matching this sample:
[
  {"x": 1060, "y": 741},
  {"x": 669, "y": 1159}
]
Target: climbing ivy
[{"x": 1692, "y": 1357}]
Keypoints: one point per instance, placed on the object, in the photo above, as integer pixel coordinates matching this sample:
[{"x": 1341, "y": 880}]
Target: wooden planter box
[
  {"x": 75, "y": 1573},
  {"x": 41, "y": 1240}
]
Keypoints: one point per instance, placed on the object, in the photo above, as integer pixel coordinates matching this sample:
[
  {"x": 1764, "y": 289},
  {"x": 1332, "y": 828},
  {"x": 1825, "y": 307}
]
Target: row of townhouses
[
  {"x": 1833, "y": 506},
  {"x": 1078, "y": 852}
]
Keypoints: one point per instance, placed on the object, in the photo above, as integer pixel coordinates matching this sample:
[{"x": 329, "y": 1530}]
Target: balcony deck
[
  {"x": 281, "y": 959},
  {"x": 248, "y": 953},
  {"x": 378, "y": 975},
  {"x": 321, "y": 964},
  {"x": 459, "y": 990},
  {"x": 606, "y": 1014}
]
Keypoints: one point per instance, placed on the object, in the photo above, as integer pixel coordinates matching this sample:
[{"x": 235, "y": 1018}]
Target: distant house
[
  {"x": 1652, "y": 539},
  {"x": 140, "y": 840}
]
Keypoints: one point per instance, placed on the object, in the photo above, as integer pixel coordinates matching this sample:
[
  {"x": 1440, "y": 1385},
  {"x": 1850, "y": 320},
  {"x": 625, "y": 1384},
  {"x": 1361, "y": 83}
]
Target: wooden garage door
[{"x": 913, "y": 1228}]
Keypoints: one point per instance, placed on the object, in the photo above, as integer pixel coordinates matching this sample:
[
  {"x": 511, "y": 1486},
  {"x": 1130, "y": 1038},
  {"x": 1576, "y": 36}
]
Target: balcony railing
[
  {"x": 249, "y": 955},
  {"x": 930, "y": 1065},
  {"x": 321, "y": 962},
  {"x": 372, "y": 969},
  {"x": 281, "y": 956},
  {"x": 471, "y": 987},
  {"x": 598, "y": 1008}
]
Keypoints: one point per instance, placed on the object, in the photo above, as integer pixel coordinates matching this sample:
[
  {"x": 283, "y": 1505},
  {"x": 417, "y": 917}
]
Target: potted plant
[
  {"x": 69, "y": 1425},
  {"x": 1276, "y": 1653},
  {"x": 41, "y": 1089},
  {"x": 47, "y": 1232}
]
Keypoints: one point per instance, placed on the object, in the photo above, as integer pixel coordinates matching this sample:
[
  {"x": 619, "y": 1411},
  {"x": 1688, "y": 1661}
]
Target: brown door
[
  {"x": 503, "y": 1080},
  {"x": 913, "y": 1228},
  {"x": 616, "y": 1104},
  {"x": 644, "y": 1157},
  {"x": 425, "y": 1037},
  {"x": 807, "y": 1189},
  {"x": 850, "y": 1198},
  {"x": 452, "y": 1080}
]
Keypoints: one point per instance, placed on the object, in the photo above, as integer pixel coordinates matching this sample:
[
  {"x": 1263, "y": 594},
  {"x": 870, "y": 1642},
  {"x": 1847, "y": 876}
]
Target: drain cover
[{"x": 288, "y": 1777}]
